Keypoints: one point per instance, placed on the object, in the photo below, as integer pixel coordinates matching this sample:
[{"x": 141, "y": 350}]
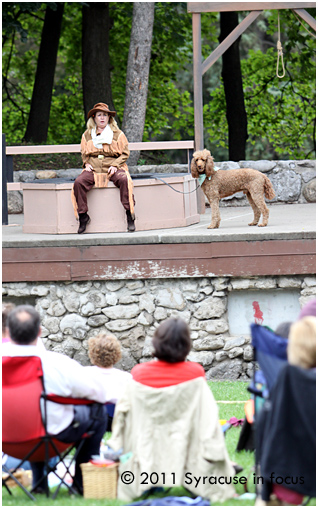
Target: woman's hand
[
  {"x": 88, "y": 167},
  {"x": 112, "y": 170}
]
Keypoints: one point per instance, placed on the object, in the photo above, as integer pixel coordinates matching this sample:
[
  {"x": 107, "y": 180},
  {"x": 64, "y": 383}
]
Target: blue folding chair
[{"x": 270, "y": 352}]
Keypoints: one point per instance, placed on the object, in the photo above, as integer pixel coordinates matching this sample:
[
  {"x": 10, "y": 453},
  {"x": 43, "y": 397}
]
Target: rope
[
  {"x": 300, "y": 21},
  {"x": 279, "y": 53},
  {"x": 180, "y": 192}
]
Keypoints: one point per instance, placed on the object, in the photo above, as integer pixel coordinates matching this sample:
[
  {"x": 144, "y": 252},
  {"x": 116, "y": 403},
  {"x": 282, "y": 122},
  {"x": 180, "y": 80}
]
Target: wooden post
[
  {"x": 197, "y": 97},
  {"x": 229, "y": 40},
  {"x": 190, "y": 155},
  {"x": 4, "y": 183},
  {"x": 197, "y": 83}
]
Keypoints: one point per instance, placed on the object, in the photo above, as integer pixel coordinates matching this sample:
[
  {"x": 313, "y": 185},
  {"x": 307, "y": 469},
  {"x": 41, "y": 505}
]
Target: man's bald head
[{"x": 24, "y": 325}]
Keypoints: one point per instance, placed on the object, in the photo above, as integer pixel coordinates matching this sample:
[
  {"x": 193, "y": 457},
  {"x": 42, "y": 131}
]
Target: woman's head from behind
[
  {"x": 104, "y": 350},
  {"x": 301, "y": 348},
  {"x": 171, "y": 341}
]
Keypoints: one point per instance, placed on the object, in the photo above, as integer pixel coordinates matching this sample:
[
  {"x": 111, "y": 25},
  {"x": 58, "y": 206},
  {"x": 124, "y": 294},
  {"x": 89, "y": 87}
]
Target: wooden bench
[
  {"x": 157, "y": 205},
  {"x": 46, "y": 149}
]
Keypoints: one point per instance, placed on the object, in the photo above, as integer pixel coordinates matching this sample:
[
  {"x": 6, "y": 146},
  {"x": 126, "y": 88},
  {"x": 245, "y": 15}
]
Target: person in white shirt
[
  {"x": 104, "y": 352},
  {"x": 65, "y": 377}
]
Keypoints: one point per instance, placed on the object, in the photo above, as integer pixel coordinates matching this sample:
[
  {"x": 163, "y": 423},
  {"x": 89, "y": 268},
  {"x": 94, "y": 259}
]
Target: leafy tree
[
  {"x": 233, "y": 89},
  {"x": 138, "y": 73},
  {"x": 281, "y": 112},
  {"x": 19, "y": 64},
  {"x": 96, "y": 73},
  {"x": 11, "y": 19},
  {"x": 39, "y": 115},
  {"x": 67, "y": 120}
]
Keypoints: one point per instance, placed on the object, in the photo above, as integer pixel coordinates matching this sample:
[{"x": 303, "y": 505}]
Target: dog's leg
[
  {"x": 260, "y": 203},
  {"x": 256, "y": 211},
  {"x": 215, "y": 213}
]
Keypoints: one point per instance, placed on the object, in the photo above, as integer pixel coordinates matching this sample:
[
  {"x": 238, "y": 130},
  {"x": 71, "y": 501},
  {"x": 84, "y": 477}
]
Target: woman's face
[{"x": 101, "y": 119}]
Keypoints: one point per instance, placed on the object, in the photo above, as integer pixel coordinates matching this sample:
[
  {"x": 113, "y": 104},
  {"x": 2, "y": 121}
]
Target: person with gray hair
[
  {"x": 7, "y": 307},
  {"x": 65, "y": 377}
]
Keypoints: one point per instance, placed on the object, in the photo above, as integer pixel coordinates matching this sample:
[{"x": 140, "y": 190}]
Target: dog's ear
[
  {"x": 194, "y": 171},
  {"x": 209, "y": 168}
]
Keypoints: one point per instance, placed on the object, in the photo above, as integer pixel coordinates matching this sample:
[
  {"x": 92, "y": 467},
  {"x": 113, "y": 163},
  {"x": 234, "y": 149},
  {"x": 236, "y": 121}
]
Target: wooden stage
[{"x": 287, "y": 246}]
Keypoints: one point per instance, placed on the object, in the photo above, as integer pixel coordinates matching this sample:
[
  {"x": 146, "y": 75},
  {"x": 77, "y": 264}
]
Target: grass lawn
[{"x": 223, "y": 391}]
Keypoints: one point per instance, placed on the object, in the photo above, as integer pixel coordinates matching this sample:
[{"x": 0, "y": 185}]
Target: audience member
[
  {"x": 309, "y": 309},
  {"x": 283, "y": 329},
  {"x": 65, "y": 377},
  {"x": 167, "y": 422},
  {"x": 172, "y": 344},
  {"x": 275, "y": 427},
  {"x": 301, "y": 349},
  {"x": 104, "y": 352},
  {"x": 6, "y": 309}
]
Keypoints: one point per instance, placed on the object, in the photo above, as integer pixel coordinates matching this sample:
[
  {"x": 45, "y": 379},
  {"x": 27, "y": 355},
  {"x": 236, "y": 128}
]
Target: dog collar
[{"x": 202, "y": 179}]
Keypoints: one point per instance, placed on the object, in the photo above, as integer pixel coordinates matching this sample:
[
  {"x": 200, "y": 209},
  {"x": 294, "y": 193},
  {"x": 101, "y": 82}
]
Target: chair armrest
[{"x": 59, "y": 399}]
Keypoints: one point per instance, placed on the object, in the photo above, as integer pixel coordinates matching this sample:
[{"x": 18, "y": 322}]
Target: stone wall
[
  {"x": 131, "y": 310},
  {"x": 293, "y": 181}
]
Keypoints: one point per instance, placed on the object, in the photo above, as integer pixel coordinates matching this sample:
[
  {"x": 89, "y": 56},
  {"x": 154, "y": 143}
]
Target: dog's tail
[{"x": 268, "y": 188}]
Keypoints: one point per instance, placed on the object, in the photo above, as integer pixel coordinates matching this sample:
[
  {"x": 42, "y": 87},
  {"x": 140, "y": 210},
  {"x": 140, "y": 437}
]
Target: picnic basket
[{"x": 99, "y": 482}]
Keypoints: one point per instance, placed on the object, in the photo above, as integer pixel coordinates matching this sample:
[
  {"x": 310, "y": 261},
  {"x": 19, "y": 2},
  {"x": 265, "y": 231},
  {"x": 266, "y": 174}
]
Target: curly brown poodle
[{"x": 219, "y": 184}]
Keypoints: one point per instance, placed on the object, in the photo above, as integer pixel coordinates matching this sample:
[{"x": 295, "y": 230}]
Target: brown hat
[{"x": 100, "y": 106}]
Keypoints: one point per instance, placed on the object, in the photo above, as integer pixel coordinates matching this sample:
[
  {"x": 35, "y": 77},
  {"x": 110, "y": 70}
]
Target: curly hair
[{"x": 104, "y": 350}]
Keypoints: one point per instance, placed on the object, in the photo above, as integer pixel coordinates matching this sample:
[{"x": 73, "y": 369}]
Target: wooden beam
[
  {"x": 161, "y": 145},
  {"x": 152, "y": 145},
  {"x": 306, "y": 17},
  {"x": 197, "y": 83},
  {"x": 14, "y": 186},
  {"x": 199, "y": 7},
  {"x": 38, "y": 149},
  {"x": 229, "y": 40},
  {"x": 146, "y": 261}
]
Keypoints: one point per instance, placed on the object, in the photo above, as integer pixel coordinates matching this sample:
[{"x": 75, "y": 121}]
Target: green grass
[
  {"x": 229, "y": 390},
  {"x": 222, "y": 391}
]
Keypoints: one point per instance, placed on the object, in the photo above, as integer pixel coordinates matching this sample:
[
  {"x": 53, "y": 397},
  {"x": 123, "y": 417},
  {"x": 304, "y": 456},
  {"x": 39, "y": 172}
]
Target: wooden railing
[{"x": 147, "y": 145}]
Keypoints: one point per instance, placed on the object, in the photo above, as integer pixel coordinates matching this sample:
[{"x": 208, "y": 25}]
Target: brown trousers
[{"x": 85, "y": 181}]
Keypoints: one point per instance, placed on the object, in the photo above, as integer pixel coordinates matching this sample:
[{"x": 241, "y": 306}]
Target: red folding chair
[{"x": 24, "y": 421}]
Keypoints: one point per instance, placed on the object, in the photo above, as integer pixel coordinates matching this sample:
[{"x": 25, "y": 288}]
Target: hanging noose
[{"x": 279, "y": 53}]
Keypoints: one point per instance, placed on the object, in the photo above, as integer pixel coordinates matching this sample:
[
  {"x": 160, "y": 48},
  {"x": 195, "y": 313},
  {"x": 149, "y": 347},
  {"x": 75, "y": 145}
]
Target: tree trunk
[
  {"x": 38, "y": 122},
  {"x": 233, "y": 87},
  {"x": 138, "y": 74},
  {"x": 95, "y": 56}
]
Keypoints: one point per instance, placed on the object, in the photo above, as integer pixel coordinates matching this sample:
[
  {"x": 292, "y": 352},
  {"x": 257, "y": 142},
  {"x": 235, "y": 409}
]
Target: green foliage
[
  {"x": 281, "y": 113},
  {"x": 67, "y": 121},
  {"x": 11, "y": 14},
  {"x": 19, "y": 66}
]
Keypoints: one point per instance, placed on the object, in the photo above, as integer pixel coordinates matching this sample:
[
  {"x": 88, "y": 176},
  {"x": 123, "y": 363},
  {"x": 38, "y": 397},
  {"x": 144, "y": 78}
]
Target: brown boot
[
  {"x": 130, "y": 222},
  {"x": 84, "y": 220}
]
